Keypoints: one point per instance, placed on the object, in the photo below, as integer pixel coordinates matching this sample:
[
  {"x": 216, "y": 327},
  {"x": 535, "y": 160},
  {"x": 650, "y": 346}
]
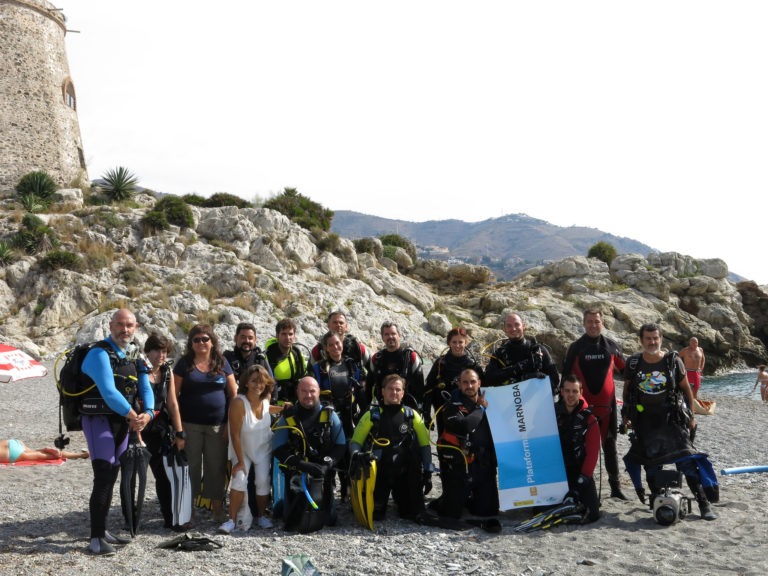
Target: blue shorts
[{"x": 15, "y": 449}]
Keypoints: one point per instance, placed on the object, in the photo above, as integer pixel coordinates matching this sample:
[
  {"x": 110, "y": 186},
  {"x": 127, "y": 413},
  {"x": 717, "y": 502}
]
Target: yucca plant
[
  {"x": 39, "y": 184},
  {"x": 119, "y": 183},
  {"x": 32, "y": 203},
  {"x": 7, "y": 255}
]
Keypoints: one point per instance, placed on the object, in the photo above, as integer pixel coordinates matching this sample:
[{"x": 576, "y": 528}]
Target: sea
[{"x": 736, "y": 384}]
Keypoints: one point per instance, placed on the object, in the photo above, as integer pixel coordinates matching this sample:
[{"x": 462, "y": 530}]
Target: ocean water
[{"x": 737, "y": 384}]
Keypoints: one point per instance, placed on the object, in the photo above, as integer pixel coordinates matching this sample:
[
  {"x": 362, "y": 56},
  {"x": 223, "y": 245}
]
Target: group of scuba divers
[{"x": 295, "y": 424}]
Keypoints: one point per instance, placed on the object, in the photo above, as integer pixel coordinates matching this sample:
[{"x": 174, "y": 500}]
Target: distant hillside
[{"x": 508, "y": 245}]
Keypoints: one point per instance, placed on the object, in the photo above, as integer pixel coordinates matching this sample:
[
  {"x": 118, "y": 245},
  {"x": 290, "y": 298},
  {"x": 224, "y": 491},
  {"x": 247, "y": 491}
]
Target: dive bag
[{"x": 72, "y": 384}]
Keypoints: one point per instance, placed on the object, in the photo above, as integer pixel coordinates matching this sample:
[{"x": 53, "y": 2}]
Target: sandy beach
[{"x": 44, "y": 523}]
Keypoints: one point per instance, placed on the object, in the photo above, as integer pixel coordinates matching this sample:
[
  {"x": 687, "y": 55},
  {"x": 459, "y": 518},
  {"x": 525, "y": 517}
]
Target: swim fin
[
  {"x": 568, "y": 512},
  {"x": 362, "y": 479},
  {"x": 369, "y": 483}
]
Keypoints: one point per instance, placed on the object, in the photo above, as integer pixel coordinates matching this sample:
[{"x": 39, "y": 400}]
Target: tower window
[{"x": 69, "y": 94}]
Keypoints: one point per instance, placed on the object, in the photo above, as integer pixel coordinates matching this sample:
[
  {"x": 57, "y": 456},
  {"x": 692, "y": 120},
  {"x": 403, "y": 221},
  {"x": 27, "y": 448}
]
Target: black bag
[{"x": 72, "y": 385}]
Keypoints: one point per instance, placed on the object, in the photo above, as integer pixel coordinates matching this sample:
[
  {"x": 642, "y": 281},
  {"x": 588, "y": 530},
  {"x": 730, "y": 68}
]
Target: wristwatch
[{"x": 181, "y": 435}]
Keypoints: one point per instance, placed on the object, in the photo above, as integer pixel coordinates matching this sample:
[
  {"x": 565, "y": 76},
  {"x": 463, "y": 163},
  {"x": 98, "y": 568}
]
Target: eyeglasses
[{"x": 204, "y": 339}]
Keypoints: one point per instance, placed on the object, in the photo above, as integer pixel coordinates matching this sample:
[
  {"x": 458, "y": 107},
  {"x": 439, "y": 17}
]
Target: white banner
[{"x": 524, "y": 428}]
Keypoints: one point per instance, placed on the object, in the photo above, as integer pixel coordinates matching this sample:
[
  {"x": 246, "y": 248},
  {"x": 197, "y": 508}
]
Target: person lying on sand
[{"x": 13, "y": 450}]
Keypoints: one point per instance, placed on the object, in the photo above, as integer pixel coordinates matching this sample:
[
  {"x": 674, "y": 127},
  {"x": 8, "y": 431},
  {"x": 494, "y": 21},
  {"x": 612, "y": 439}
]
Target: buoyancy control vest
[
  {"x": 314, "y": 430},
  {"x": 398, "y": 429},
  {"x": 125, "y": 373},
  {"x": 573, "y": 429}
]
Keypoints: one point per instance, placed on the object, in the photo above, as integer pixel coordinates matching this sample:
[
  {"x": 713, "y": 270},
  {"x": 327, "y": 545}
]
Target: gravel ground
[{"x": 44, "y": 524}]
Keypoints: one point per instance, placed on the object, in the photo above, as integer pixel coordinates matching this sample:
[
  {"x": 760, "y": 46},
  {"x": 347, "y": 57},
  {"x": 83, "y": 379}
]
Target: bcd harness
[
  {"x": 342, "y": 393},
  {"x": 406, "y": 367},
  {"x": 286, "y": 367},
  {"x": 404, "y": 437},
  {"x": 440, "y": 383},
  {"x": 679, "y": 412},
  {"x": 310, "y": 443},
  {"x": 255, "y": 357},
  {"x": 126, "y": 381},
  {"x": 574, "y": 443},
  {"x": 456, "y": 440}
]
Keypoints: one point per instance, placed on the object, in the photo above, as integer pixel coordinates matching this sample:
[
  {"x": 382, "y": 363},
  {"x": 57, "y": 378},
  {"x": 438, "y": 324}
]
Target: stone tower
[{"x": 38, "y": 106}]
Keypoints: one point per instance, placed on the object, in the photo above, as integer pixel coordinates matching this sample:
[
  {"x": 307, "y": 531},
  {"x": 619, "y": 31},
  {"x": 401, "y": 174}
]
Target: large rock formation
[{"x": 256, "y": 265}]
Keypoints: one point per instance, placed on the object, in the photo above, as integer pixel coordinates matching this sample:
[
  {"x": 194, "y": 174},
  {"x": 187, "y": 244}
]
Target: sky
[{"x": 644, "y": 119}]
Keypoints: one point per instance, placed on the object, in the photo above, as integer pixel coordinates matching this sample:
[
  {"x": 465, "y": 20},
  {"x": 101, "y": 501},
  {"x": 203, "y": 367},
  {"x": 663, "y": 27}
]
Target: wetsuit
[
  {"x": 351, "y": 348},
  {"x": 240, "y": 364},
  {"x": 104, "y": 412},
  {"x": 519, "y": 360},
  {"x": 593, "y": 361},
  {"x": 405, "y": 362},
  {"x": 288, "y": 369},
  {"x": 158, "y": 441},
  {"x": 467, "y": 460},
  {"x": 403, "y": 454},
  {"x": 443, "y": 378},
  {"x": 340, "y": 387},
  {"x": 661, "y": 429},
  {"x": 309, "y": 443},
  {"x": 580, "y": 443}
]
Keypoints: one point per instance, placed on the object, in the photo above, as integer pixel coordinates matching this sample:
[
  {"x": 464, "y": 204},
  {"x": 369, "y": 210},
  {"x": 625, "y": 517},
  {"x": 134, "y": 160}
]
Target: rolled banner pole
[
  {"x": 306, "y": 492},
  {"x": 743, "y": 470}
]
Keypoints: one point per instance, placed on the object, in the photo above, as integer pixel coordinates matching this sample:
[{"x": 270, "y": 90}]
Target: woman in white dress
[{"x": 250, "y": 443}]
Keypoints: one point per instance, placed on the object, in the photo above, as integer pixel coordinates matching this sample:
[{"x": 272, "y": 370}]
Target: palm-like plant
[
  {"x": 39, "y": 184},
  {"x": 6, "y": 253},
  {"x": 119, "y": 183},
  {"x": 32, "y": 203}
]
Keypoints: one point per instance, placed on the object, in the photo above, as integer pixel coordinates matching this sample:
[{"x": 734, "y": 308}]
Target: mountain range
[{"x": 508, "y": 245}]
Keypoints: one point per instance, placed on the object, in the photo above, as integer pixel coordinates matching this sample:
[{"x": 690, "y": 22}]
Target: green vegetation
[
  {"x": 108, "y": 219},
  {"x": 34, "y": 236},
  {"x": 326, "y": 241},
  {"x": 7, "y": 255},
  {"x": 400, "y": 242},
  {"x": 193, "y": 199},
  {"x": 389, "y": 251},
  {"x": 368, "y": 245},
  {"x": 58, "y": 259},
  {"x": 168, "y": 210},
  {"x": 225, "y": 199},
  {"x": 119, "y": 184},
  {"x": 36, "y": 190},
  {"x": 176, "y": 211},
  {"x": 154, "y": 222},
  {"x": 602, "y": 251},
  {"x": 301, "y": 210},
  {"x": 32, "y": 203}
]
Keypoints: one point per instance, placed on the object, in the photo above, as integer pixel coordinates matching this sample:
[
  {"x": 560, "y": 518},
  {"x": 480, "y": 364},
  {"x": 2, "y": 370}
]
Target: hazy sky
[{"x": 644, "y": 119}]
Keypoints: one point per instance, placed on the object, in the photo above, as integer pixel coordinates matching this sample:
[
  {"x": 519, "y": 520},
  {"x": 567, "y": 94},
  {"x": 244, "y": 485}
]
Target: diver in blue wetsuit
[{"x": 108, "y": 416}]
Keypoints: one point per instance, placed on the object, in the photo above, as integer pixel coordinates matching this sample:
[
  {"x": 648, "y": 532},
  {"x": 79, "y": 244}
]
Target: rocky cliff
[{"x": 255, "y": 265}]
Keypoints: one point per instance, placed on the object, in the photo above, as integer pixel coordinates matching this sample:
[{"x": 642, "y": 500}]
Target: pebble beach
[{"x": 44, "y": 524}]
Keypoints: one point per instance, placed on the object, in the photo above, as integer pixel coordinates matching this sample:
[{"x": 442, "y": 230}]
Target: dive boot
[
  {"x": 616, "y": 489},
  {"x": 705, "y": 510}
]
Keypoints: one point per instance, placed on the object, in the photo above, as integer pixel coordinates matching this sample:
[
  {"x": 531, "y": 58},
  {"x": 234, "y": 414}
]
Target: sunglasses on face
[{"x": 199, "y": 339}]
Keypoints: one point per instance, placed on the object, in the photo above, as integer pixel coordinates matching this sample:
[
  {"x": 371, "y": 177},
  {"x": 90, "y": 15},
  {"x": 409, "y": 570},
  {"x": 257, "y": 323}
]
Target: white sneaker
[
  {"x": 264, "y": 522},
  {"x": 227, "y": 527}
]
